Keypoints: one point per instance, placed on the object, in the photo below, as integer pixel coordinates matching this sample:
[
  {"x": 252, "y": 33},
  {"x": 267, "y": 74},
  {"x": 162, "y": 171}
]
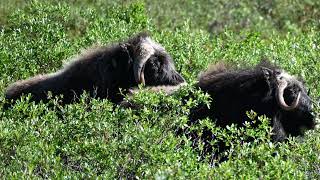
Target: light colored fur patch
[{"x": 168, "y": 90}]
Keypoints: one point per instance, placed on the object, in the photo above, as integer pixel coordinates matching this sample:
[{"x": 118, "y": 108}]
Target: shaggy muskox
[
  {"x": 265, "y": 89},
  {"x": 103, "y": 71}
]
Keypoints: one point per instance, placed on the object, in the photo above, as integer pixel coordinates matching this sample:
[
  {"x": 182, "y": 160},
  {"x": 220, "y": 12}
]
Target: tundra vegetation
[{"x": 96, "y": 138}]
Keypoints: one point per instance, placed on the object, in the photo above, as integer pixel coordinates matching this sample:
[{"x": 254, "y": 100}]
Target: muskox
[
  {"x": 104, "y": 72},
  {"x": 265, "y": 89}
]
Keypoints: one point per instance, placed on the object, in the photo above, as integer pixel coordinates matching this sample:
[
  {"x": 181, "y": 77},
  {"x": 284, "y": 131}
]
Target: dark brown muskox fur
[
  {"x": 235, "y": 91},
  {"x": 102, "y": 71}
]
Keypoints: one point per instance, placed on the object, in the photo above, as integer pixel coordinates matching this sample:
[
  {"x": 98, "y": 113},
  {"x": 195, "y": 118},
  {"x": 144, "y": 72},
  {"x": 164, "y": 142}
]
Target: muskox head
[
  {"x": 265, "y": 89},
  {"x": 152, "y": 65},
  {"x": 294, "y": 112}
]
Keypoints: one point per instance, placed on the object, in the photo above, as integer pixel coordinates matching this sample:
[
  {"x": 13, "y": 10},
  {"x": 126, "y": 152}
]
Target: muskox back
[{"x": 264, "y": 89}]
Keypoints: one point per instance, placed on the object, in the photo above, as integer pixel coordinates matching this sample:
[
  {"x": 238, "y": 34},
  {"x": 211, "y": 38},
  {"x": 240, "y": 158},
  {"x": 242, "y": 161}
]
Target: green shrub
[{"x": 95, "y": 138}]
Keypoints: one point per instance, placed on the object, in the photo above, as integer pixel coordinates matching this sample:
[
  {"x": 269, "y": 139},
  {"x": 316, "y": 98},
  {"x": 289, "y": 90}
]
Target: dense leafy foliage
[{"x": 97, "y": 138}]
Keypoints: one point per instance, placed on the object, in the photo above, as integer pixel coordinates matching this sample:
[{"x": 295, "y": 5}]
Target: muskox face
[
  {"x": 159, "y": 70},
  {"x": 294, "y": 110},
  {"x": 295, "y": 106}
]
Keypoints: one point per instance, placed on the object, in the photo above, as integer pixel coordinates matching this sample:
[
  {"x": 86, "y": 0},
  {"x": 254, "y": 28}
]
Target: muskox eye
[
  {"x": 277, "y": 72},
  {"x": 279, "y": 78}
]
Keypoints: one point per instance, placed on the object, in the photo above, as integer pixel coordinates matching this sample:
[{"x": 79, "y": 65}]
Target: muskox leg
[{"x": 278, "y": 133}]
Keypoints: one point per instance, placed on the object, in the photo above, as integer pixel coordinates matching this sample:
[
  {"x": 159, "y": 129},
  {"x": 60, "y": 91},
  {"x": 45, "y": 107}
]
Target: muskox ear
[
  {"x": 267, "y": 72},
  {"x": 127, "y": 51}
]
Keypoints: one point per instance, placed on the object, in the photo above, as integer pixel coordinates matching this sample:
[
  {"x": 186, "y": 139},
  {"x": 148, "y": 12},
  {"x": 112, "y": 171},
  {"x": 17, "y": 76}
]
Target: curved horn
[
  {"x": 280, "y": 92},
  {"x": 142, "y": 53},
  {"x": 138, "y": 67}
]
